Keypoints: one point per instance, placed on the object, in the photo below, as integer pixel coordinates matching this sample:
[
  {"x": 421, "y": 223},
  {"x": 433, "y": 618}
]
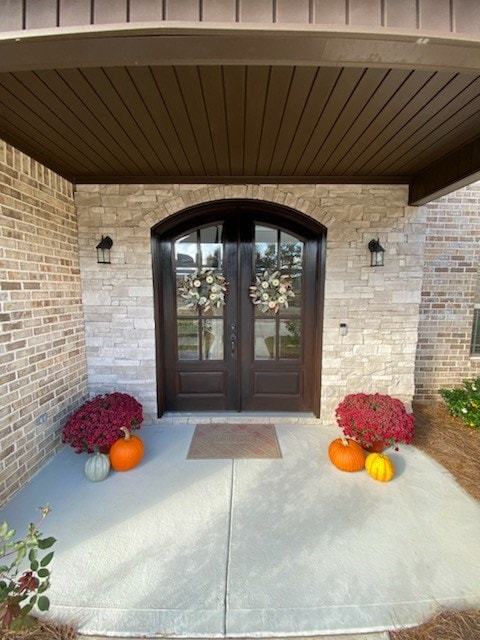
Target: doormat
[{"x": 228, "y": 440}]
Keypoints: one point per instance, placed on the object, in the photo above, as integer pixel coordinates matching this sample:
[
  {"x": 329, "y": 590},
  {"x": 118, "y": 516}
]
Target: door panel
[{"x": 240, "y": 355}]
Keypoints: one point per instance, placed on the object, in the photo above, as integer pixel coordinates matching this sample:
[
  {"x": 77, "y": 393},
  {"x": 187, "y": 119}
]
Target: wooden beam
[
  {"x": 452, "y": 172},
  {"x": 62, "y": 49},
  {"x": 204, "y": 179}
]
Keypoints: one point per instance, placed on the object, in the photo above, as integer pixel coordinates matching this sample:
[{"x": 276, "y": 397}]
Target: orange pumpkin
[
  {"x": 346, "y": 455},
  {"x": 126, "y": 452}
]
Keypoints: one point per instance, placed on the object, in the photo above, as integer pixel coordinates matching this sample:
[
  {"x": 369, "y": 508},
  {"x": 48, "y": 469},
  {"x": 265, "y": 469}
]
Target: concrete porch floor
[{"x": 253, "y": 548}]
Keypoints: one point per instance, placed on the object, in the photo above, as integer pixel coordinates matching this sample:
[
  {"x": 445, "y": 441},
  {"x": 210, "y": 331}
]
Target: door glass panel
[
  {"x": 291, "y": 251},
  {"x": 265, "y": 339},
  {"x": 182, "y": 309},
  {"x": 295, "y": 303},
  {"x": 266, "y": 248},
  {"x": 212, "y": 339},
  {"x": 278, "y": 335},
  {"x": 188, "y": 339},
  {"x": 211, "y": 247},
  {"x": 290, "y": 339},
  {"x": 186, "y": 252},
  {"x": 199, "y": 336}
]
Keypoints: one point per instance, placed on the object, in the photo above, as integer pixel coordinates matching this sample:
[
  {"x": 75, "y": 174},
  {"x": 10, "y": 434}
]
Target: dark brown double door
[{"x": 238, "y": 356}]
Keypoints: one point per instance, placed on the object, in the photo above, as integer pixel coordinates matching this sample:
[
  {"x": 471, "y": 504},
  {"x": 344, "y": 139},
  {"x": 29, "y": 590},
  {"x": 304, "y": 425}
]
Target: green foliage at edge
[
  {"x": 464, "y": 402},
  {"x": 20, "y": 587}
]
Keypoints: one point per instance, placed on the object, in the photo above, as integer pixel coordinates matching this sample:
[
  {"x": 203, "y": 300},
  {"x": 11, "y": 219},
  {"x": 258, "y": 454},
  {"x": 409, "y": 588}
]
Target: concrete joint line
[{"x": 229, "y": 540}]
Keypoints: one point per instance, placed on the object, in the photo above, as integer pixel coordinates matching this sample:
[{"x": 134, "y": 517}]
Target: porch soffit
[{"x": 245, "y": 105}]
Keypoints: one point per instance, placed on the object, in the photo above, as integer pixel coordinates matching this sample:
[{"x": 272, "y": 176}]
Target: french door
[{"x": 223, "y": 345}]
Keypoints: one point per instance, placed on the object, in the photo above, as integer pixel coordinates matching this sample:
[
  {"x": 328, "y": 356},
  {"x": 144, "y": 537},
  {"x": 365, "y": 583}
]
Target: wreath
[
  {"x": 272, "y": 291},
  {"x": 204, "y": 289}
]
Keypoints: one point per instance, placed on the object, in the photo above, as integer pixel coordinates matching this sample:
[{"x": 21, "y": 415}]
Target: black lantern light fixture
[
  {"x": 103, "y": 250},
  {"x": 376, "y": 253}
]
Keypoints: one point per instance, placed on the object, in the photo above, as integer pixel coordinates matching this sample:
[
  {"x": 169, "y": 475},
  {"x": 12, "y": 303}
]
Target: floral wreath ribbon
[
  {"x": 205, "y": 289},
  {"x": 271, "y": 292}
]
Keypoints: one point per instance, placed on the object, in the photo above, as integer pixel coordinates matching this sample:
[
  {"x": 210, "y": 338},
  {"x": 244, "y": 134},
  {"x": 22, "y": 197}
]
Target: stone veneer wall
[
  {"x": 379, "y": 305},
  {"x": 452, "y": 255},
  {"x": 42, "y": 344}
]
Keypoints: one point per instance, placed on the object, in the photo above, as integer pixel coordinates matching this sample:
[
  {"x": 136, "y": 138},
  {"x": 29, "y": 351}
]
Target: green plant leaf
[
  {"x": 32, "y": 555},
  {"x": 21, "y": 553},
  {"x": 46, "y": 559},
  {"x": 34, "y": 565},
  {"x": 46, "y": 543},
  {"x": 43, "y": 573},
  {"x": 43, "y": 603},
  {"x": 3, "y": 529}
]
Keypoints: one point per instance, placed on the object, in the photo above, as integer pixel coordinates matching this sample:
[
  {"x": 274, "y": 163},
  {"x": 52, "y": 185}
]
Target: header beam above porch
[{"x": 204, "y": 45}]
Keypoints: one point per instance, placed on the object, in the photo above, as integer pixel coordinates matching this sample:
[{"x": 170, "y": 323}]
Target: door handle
[{"x": 233, "y": 340}]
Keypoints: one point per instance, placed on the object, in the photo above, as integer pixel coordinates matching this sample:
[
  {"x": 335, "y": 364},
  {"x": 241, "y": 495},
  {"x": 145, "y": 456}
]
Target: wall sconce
[
  {"x": 103, "y": 250},
  {"x": 376, "y": 253}
]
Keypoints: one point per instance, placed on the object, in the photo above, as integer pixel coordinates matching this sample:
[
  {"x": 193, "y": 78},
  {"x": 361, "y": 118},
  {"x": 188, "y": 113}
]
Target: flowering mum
[
  {"x": 371, "y": 418},
  {"x": 98, "y": 422}
]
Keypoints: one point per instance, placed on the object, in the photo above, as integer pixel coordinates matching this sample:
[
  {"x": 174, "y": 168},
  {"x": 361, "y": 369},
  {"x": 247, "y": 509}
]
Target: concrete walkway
[{"x": 264, "y": 548}]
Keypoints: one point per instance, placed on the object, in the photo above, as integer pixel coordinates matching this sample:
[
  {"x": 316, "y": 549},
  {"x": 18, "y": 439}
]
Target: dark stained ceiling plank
[
  {"x": 452, "y": 172},
  {"x": 70, "y": 110},
  {"x": 257, "y": 81},
  {"x": 214, "y": 96},
  {"x": 396, "y": 119},
  {"x": 234, "y": 88},
  {"x": 303, "y": 79},
  {"x": 150, "y": 93},
  {"x": 324, "y": 83},
  {"x": 433, "y": 124},
  {"x": 32, "y": 141},
  {"x": 151, "y": 143},
  {"x": 138, "y": 145},
  {"x": 20, "y": 101},
  {"x": 90, "y": 88},
  {"x": 388, "y": 88},
  {"x": 357, "y": 103},
  {"x": 341, "y": 93},
  {"x": 280, "y": 79},
  {"x": 174, "y": 101},
  {"x": 189, "y": 80}
]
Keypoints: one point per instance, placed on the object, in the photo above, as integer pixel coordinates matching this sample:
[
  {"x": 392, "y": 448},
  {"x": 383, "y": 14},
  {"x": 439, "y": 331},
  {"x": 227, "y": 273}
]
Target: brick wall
[
  {"x": 452, "y": 254},
  {"x": 42, "y": 347},
  {"x": 380, "y": 306}
]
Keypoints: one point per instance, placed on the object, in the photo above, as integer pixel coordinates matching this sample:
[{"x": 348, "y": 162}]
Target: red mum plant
[
  {"x": 98, "y": 422},
  {"x": 375, "y": 418}
]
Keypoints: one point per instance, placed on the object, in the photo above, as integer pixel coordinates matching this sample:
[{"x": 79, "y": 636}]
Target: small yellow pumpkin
[{"x": 379, "y": 467}]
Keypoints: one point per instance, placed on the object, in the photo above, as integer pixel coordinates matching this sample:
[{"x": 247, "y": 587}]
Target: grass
[{"x": 448, "y": 441}]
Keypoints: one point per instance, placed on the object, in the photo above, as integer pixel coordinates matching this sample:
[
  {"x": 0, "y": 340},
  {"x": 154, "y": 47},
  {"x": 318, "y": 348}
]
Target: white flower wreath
[
  {"x": 271, "y": 292},
  {"x": 204, "y": 289}
]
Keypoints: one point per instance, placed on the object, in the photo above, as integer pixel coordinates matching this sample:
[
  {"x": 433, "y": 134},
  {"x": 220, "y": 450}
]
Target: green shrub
[
  {"x": 23, "y": 589},
  {"x": 464, "y": 402}
]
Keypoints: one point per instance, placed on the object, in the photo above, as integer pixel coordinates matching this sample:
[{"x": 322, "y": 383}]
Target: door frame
[{"x": 201, "y": 214}]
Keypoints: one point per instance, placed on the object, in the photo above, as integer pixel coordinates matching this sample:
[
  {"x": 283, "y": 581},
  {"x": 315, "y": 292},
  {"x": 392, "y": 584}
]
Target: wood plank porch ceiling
[{"x": 228, "y": 123}]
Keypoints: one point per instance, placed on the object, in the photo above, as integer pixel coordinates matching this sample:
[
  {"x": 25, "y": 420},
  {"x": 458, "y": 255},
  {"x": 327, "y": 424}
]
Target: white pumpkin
[{"x": 97, "y": 467}]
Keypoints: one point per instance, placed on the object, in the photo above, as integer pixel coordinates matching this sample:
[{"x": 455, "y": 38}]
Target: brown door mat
[{"x": 228, "y": 440}]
